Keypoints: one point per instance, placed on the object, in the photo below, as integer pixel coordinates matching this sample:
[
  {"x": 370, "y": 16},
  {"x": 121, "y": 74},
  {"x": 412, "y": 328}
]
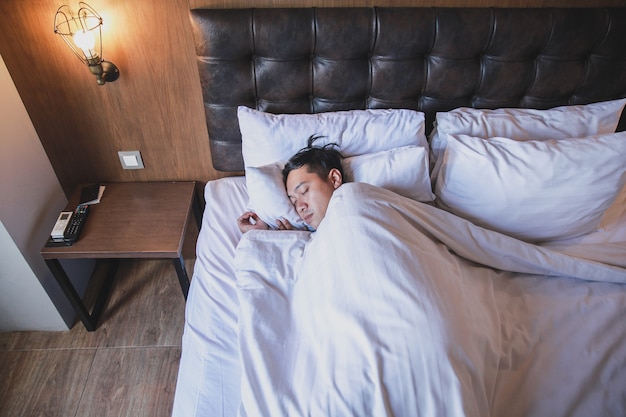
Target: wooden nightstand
[{"x": 133, "y": 220}]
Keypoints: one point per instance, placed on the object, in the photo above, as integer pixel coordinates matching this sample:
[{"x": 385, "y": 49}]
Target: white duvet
[{"x": 386, "y": 311}]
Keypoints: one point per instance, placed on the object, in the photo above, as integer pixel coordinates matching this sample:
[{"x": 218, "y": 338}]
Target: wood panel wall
[{"x": 156, "y": 105}]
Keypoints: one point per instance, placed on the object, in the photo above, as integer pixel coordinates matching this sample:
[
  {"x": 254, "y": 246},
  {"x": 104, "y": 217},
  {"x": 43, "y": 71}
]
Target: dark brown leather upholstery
[{"x": 428, "y": 59}]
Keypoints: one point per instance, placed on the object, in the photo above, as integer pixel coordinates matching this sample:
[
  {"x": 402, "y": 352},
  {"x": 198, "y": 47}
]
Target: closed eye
[{"x": 301, "y": 189}]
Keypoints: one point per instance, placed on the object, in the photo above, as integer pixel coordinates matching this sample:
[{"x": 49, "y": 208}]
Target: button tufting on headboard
[{"x": 307, "y": 60}]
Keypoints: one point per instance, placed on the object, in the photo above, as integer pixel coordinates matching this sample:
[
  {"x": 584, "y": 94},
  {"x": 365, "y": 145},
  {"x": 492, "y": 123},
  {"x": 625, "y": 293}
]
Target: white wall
[{"x": 31, "y": 198}]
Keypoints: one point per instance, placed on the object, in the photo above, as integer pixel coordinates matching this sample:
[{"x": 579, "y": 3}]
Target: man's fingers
[{"x": 283, "y": 224}]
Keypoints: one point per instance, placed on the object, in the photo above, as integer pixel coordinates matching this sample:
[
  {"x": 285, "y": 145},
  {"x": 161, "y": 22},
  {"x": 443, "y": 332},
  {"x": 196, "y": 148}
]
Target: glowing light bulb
[{"x": 86, "y": 41}]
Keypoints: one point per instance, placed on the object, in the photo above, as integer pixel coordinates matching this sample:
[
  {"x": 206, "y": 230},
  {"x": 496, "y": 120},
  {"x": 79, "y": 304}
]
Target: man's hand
[
  {"x": 283, "y": 224},
  {"x": 250, "y": 221}
]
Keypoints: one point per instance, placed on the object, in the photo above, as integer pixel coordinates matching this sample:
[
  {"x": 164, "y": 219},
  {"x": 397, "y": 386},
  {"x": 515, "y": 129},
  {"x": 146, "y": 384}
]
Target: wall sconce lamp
[{"x": 83, "y": 34}]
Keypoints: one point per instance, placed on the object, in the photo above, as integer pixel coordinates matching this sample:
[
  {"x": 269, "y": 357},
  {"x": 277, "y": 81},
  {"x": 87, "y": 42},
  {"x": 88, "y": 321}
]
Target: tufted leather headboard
[{"x": 311, "y": 60}]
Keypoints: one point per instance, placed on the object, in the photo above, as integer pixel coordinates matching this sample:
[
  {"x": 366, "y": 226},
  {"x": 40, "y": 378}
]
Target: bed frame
[{"x": 311, "y": 60}]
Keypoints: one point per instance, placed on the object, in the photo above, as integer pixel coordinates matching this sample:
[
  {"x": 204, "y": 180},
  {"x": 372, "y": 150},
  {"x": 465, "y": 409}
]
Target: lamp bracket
[{"x": 111, "y": 72}]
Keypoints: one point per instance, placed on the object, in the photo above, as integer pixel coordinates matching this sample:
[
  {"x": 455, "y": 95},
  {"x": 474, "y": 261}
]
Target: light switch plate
[{"x": 131, "y": 159}]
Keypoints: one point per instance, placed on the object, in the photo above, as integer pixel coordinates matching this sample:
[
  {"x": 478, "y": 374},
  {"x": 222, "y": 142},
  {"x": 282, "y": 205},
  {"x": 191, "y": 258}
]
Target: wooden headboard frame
[{"x": 311, "y": 60}]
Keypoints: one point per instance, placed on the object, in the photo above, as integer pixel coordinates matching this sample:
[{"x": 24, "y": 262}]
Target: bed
[{"x": 475, "y": 262}]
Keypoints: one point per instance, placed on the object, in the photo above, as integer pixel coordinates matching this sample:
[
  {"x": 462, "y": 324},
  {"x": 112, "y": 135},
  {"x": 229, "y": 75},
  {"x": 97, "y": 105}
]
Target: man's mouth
[{"x": 307, "y": 218}]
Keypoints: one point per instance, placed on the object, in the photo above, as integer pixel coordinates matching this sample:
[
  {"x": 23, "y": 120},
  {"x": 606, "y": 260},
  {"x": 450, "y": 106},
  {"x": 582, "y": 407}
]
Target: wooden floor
[{"x": 127, "y": 367}]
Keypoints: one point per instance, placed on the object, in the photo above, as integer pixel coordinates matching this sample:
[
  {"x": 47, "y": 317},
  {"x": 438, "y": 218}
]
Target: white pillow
[
  {"x": 269, "y": 138},
  {"x": 402, "y": 170},
  {"x": 525, "y": 124},
  {"x": 534, "y": 190},
  {"x": 268, "y": 197}
]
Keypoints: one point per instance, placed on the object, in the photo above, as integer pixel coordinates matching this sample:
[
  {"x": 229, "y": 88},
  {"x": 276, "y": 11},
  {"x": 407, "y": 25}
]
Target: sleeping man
[{"x": 311, "y": 176}]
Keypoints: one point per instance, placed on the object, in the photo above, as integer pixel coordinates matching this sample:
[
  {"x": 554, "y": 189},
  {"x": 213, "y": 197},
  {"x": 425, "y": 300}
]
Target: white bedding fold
[{"x": 375, "y": 314}]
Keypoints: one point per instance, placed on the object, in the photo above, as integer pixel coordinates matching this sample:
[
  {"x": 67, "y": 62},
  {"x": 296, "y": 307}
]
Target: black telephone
[{"x": 75, "y": 226}]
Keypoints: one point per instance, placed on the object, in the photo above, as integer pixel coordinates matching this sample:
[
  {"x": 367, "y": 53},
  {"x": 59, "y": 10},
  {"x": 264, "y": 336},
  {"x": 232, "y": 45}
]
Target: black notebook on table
[{"x": 91, "y": 194}]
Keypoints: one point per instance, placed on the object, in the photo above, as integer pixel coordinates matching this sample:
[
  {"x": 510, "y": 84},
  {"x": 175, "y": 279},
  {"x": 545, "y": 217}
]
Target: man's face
[{"x": 310, "y": 194}]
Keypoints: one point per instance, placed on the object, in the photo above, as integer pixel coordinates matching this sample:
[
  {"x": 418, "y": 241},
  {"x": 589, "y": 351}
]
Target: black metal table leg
[
  {"x": 90, "y": 321},
  {"x": 183, "y": 278},
  {"x": 197, "y": 210},
  {"x": 103, "y": 295},
  {"x": 71, "y": 294}
]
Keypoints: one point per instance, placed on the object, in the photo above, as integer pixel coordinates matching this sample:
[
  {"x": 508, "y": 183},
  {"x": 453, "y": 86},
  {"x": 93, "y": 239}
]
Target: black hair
[{"x": 318, "y": 159}]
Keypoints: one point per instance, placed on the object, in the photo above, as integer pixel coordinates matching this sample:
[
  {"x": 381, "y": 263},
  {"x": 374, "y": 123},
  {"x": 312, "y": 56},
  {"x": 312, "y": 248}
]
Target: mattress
[{"x": 564, "y": 338}]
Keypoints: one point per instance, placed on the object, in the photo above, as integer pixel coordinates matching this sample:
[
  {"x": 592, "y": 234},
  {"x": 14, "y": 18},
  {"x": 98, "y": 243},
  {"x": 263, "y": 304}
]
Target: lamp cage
[{"x": 83, "y": 34}]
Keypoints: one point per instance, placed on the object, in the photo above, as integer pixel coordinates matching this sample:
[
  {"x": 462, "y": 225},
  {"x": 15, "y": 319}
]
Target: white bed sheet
[{"x": 551, "y": 324}]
